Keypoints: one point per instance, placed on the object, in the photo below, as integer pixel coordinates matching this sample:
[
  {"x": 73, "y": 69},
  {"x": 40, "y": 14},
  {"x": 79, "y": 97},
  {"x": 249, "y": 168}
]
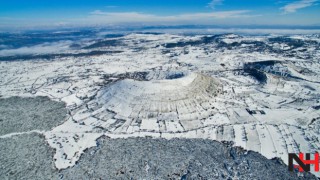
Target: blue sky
[{"x": 33, "y": 13}]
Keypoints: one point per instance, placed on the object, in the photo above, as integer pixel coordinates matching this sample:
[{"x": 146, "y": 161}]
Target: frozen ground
[{"x": 260, "y": 92}]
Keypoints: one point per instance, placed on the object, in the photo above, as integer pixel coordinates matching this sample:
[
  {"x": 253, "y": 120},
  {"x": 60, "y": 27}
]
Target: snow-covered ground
[{"x": 163, "y": 85}]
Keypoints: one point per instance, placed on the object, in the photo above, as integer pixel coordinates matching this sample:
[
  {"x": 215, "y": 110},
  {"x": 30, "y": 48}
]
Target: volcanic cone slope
[{"x": 149, "y": 104}]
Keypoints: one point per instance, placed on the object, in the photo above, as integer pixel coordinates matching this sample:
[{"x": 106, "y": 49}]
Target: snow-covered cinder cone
[{"x": 161, "y": 105}]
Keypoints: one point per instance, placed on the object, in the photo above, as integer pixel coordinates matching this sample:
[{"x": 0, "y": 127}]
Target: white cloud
[
  {"x": 55, "y": 47},
  {"x": 294, "y": 6},
  {"x": 99, "y": 17},
  {"x": 215, "y": 3},
  {"x": 127, "y": 17},
  {"x": 250, "y": 31}
]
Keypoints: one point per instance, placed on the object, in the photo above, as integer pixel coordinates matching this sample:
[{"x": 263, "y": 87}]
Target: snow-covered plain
[{"x": 163, "y": 85}]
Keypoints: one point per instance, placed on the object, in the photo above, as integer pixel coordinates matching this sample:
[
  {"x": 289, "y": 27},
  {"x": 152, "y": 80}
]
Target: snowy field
[{"x": 260, "y": 92}]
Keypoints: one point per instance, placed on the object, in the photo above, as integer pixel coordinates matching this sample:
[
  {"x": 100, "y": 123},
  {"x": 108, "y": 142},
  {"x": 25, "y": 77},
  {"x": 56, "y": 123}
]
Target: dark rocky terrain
[
  {"x": 29, "y": 157},
  {"x": 27, "y": 114}
]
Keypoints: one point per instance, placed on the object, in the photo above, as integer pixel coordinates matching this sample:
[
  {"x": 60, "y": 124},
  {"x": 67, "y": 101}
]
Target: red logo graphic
[{"x": 303, "y": 164}]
